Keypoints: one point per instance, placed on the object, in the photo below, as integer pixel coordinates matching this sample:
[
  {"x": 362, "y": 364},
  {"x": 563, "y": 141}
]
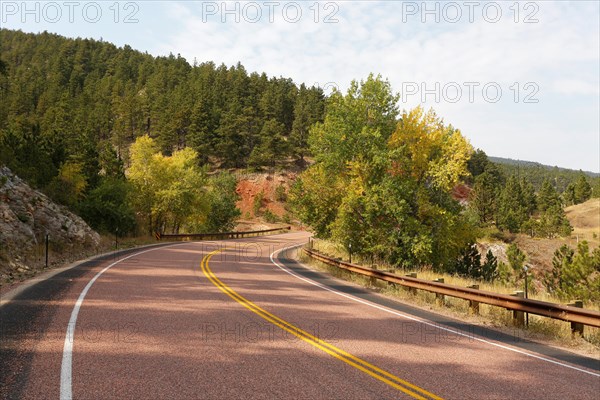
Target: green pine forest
[
  {"x": 72, "y": 108},
  {"x": 140, "y": 143}
]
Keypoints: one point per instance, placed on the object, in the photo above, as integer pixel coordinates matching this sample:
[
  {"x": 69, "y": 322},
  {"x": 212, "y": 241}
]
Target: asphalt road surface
[{"x": 238, "y": 319}]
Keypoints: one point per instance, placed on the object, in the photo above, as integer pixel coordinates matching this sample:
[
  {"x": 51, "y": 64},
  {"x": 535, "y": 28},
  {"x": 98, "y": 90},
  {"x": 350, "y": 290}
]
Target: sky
[{"x": 519, "y": 79}]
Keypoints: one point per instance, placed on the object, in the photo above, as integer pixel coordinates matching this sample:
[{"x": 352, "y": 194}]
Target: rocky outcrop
[{"x": 26, "y": 216}]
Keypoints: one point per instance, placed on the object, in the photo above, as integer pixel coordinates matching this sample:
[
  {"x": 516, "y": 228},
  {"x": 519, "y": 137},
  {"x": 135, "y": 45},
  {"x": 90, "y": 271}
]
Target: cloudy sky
[{"x": 520, "y": 79}]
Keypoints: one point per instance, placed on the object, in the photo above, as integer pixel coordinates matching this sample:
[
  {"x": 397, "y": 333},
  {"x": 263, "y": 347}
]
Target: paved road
[{"x": 237, "y": 319}]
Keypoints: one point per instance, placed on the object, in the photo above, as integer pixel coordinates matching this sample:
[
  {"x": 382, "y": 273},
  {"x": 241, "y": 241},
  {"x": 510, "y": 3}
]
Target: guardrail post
[
  {"x": 439, "y": 298},
  {"x": 576, "y": 328},
  {"x": 372, "y": 281},
  {"x": 473, "y": 305},
  {"x": 412, "y": 275},
  {"x": 519, "y": 316}
]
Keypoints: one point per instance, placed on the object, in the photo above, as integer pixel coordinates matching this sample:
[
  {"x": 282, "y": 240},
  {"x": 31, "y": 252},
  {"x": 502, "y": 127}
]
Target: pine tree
[
  {"x": 516, "y": 257},
  {"x": 489, "y": 268},
  {"x": 572, "y": 274},
  {"x": 3, "y": 68},
  {"x": 484, "y": 196},
  {"x": 233, "y": 132},
  {"x": 478, "y": 163},
  {"x": 512, "y": 207},
  {"x": 562, "y": 259},
  {"x": 554, "y": 222},
  {"x": 308, "y": 110},
  {"x": 469, "y": 264},
  {"x": 582, "y": 190},
  {"x": 271, "y": 147},
  {"x": 569, "y": 194},
  {"x": 529, "y": 197},
  {"x": 548, "y": 197}
]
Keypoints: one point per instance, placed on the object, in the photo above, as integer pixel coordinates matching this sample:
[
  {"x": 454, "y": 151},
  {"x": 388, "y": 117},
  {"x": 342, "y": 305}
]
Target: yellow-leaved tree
[
  {"x": 69, "y": 186},
  {"x": 143, "y": 175},
  {"x": 168, "y": 191},
  {"x": 432, "y": 153}
]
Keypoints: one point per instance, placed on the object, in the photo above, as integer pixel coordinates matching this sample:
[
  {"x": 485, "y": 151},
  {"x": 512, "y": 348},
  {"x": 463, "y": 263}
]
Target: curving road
[{"x": 238, "y": 319}]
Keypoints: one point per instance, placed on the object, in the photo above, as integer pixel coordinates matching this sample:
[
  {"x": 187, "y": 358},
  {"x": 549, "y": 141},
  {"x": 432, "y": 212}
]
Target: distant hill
[
  {"x": 510, "y": 161},
  {"x": 537, "y": 173}
]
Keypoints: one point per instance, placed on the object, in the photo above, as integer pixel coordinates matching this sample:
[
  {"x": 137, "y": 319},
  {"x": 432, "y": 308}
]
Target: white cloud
[
  {"x": 559, "y": 54},
  {"x": 576, "y": 87}
]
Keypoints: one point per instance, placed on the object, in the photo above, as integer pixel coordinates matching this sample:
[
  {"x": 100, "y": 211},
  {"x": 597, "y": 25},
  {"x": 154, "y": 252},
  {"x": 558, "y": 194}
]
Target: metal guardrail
[
  {"x": 557, "y": 311},
  {"x": 219, "y": 236}
]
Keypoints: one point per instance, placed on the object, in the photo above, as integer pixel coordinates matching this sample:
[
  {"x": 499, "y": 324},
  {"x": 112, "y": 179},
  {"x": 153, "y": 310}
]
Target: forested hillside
[
  {"x": 536, "y": 173},
  {"x": 86, "y": 101},
  {"x": 72, "y": 109}
]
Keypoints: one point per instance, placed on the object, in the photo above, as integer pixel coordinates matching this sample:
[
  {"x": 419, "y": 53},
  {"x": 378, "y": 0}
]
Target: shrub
[
  {"x": 107, "y": 209},
  {"x": 270, "y": 217},
  {"x": 280, "y": 193},
  {"x": 258, "y": 203}
]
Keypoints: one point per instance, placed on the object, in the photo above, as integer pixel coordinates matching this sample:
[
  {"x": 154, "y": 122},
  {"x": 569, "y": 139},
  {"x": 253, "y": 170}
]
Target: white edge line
[
  {"x": 66, "y": 379},
  {"x": 388, "y": 310}
]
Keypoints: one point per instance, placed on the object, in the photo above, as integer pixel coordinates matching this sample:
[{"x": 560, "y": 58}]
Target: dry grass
[
  {"x": 553, "y": 332},
  {"x": 585, "y": 219}
]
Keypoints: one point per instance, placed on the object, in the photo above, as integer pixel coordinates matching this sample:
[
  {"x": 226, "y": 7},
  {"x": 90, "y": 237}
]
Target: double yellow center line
[{"x": 369, "y": 369}]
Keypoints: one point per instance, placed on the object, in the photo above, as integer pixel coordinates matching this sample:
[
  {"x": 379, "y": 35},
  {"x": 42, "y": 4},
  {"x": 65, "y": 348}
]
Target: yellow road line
[{"x": 376, "y": 372}]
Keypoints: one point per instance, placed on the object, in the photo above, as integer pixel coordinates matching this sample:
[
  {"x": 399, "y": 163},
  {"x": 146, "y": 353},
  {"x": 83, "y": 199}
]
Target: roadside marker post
[
  {"x": 439, "y": 298},
  {"x": 350, "y": 252},
  {"x": 525, "y": 269},
  {"x": 47, "y": 237}
]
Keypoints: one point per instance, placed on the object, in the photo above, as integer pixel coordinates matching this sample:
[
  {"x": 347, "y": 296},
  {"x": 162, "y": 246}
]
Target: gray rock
[{"x": 27, "y": 215}]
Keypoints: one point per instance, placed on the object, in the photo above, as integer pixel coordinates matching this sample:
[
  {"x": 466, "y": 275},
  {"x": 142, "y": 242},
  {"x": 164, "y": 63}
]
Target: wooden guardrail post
[
  {"x": 473, "y": 305},
  {"x": 519, "y": 316},
  {"x": 576, "y": 328},
  {"x": 372, "y": 281},
  {"x": 439, "y": 298},
  {"x": 412, "y": 275}
]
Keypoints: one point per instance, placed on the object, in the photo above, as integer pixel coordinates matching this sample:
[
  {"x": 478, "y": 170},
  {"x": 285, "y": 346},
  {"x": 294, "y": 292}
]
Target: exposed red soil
[
  {"x": 461, "y": 193},
  {"x": 252, "y": 185}
]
